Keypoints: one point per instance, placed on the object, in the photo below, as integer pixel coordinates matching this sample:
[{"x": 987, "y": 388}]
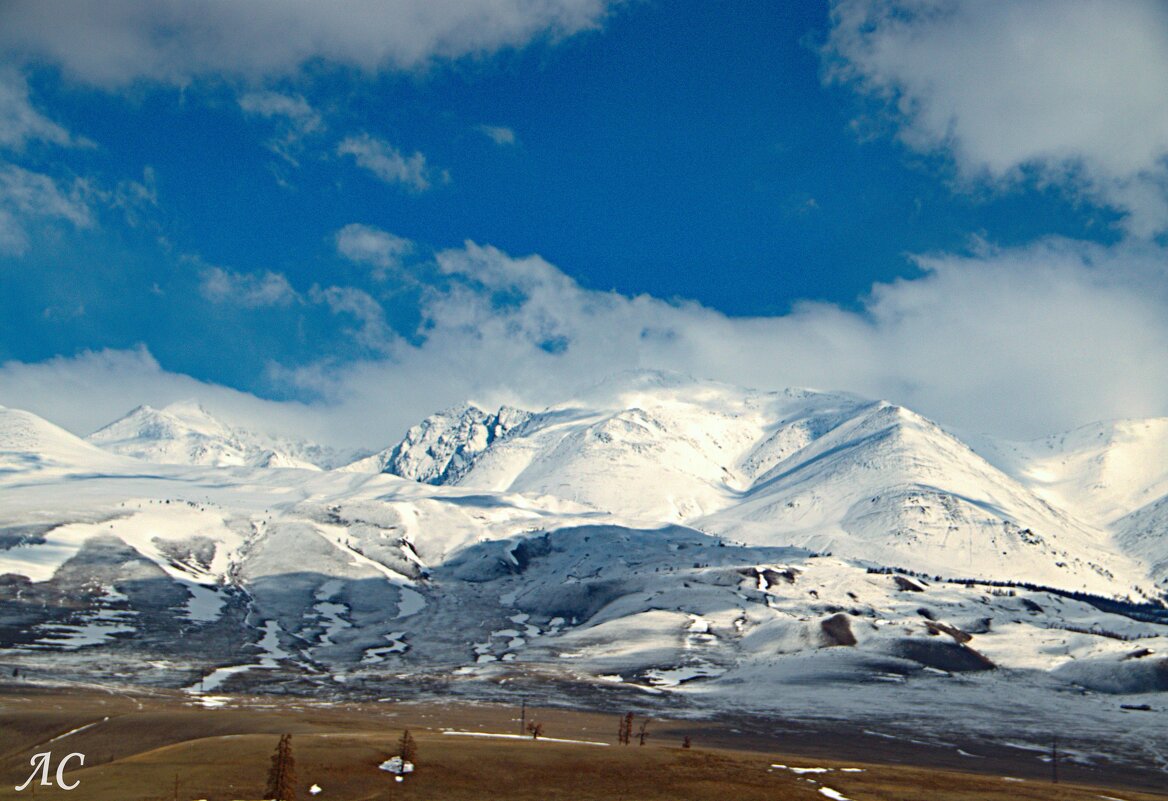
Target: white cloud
[
  {"x": 1071, "y": 91},
  {"x": 28, "y": 198},
  {"x": 368, "y": 245},
  {"x": 251, "y": 291},
  {"x": 274, "y": 290},
  {"x": 498, "y": 134},
  {"x": 386, "y": 161},
  {"x": 1017, "y": 342},
  {"x": 295, "y": 119},
  {"x": 20, "y": 123},
  {"x": 136, "y": 199},
  {"x": 112, "y": 382},
  {"x": 294, "y": 109},
  {"x": 372, "y": 331},
  {"x": 112, "y": 43}
]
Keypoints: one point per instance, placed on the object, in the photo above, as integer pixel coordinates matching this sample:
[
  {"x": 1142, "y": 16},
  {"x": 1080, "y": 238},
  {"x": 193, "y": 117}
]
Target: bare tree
[
  {"x": 625, "y": 731},
  {"x": 686, "y": 743},
  {"x": 282, "y": 774},
  {"x": 407, "y": 747},
  {"x": 643, "y": 731},
  {"x": 536, "y": 729}
]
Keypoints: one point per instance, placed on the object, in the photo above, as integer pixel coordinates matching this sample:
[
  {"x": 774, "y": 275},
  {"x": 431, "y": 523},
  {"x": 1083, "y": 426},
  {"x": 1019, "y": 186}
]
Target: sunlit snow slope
[{"x": 657, "y": 533}]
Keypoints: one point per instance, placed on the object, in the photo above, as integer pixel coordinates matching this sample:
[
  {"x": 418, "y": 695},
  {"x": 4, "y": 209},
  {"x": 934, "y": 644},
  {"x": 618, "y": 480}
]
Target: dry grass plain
[{"x": 148, "y": 747}]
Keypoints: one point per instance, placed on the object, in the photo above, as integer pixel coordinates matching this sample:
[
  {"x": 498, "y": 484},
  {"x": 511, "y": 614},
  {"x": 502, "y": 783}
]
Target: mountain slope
[
  {"x": 1144, "y": 535},
  {"x": 335, "y": 583},
  {"x": 1100, "y": 472},
  {"x": 187, "y": 434},
  {"x": 655, "y": 447},
  {"x": 444, "y": 446},
  {"x": 826, "y": 471},
  {"x": 889, "y": 486},
  {"x": 28, "y": 442}
]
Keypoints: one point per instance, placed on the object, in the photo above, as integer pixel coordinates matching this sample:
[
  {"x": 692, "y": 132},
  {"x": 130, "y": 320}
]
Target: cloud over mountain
[{"x": 1017, "y": 342}]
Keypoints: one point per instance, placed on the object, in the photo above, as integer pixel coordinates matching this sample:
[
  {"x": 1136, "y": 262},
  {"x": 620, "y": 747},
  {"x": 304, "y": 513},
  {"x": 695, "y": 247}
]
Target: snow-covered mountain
[
  {"x": 1099, "y": 472},
  {"x": 656, "y": 534},
  {"x": 444, "y": 446},
  {"x": 827, "y": 471},
  {"x": 653, "y": 446},
  {"x": 186, "y": 433},
  {"x": 29, "y": 442},
  {"x": 892, "y": 487}
]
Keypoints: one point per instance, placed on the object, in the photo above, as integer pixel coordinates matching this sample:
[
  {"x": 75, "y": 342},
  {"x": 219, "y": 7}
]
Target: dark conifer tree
[
  {"x": 407, "y": 748},
  {"x": 282, "y": 774}
]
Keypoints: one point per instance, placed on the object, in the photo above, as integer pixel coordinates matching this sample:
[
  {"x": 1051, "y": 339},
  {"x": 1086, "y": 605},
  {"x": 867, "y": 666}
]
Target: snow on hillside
[
  {"x": 1144, "y": 534},
  {"x": 28, "y": 442},
  {"x": 186, "y": 433},
  {"x": 441, "y": 448},
  {"x": 656, "y": 535},
  {"x": 653, "y": 446},
  {"x": 1099, "y": 472},
  {"x": 889, "y": 486},
  {"x": 827, "y": 471}
]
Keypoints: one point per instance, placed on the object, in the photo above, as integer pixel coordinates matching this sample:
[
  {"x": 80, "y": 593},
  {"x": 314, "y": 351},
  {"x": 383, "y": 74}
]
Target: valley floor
[{"x": 144, "y": 745}]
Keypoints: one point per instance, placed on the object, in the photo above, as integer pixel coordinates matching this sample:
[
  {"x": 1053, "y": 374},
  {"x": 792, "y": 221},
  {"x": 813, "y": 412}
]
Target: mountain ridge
[
  {"x": 674, "y": 539},
  {"x": 185, "y": 433}
]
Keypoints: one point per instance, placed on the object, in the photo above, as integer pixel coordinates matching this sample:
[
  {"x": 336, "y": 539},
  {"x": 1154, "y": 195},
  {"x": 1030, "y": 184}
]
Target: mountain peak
[
  {"x": 31, "y": 440},
  {"x": 186, "y": 433},
  {"x": 444, "y": 446}
]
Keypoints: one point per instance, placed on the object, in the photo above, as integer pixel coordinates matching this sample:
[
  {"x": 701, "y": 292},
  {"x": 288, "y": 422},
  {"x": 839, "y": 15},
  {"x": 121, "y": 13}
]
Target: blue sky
[{"x": 316, "y": 214}]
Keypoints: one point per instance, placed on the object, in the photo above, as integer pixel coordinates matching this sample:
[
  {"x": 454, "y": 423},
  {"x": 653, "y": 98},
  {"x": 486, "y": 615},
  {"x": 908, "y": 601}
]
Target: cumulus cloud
[
  {"x": 1019, "y": 343},
  {"x": 386, "y": 161},
  {"x": 112, "y": 43},
  {"x": 498, "y": 134},
  {"x": 380, "y": 249},
  {"x": 1066, "y": 91},
  {"x": 29, "y": 198},
  {"x": 249, "y": 290}
]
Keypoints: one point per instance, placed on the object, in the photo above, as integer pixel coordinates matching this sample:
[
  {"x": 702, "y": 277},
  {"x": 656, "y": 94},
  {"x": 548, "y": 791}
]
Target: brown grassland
[{"x": 157, "y": 746}]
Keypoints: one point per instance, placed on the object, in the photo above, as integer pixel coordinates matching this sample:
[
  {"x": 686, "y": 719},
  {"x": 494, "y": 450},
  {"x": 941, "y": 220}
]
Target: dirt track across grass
[{"x": 154, "y": 746}]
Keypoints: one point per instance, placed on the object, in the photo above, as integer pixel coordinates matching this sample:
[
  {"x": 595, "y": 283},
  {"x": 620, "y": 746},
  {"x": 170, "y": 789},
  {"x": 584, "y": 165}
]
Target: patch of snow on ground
[
  {"x": 269, "y": 644},
  {"x": 78, "y": 729},
  {"x": 411, "y": 602},
  {"x": 833, "y": 794},
  {"x": 212, "y": 701},
  {"x": 672, "y": 677},
  {"x": 397, "y": 645},
  {"x": 94, "y": 627},
  {"x": 213, "y": 680},
  {"x": 334, "y": 622},
  {"x": 205, "y": 603},
  {"x": 521, "y": 737}
]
